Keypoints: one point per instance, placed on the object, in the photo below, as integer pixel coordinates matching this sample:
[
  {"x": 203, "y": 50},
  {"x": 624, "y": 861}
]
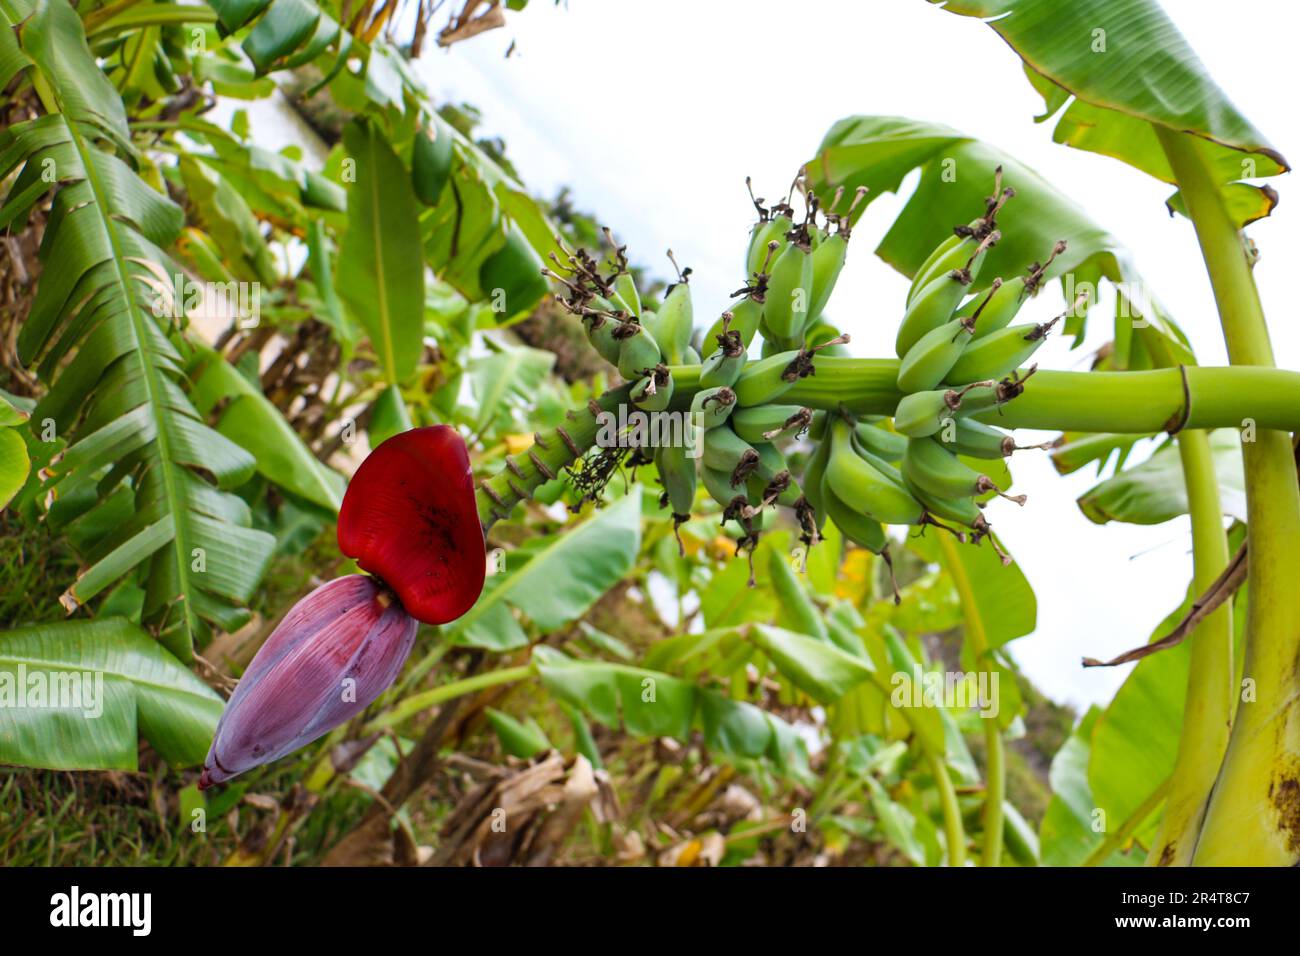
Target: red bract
[
  {"x": 335, "y": 651},
  {"x": 409, "y": 518}
]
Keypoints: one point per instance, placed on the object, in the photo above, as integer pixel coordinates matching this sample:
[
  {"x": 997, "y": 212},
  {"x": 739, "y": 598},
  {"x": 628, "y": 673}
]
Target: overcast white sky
[{"x": 654, "y": 111}]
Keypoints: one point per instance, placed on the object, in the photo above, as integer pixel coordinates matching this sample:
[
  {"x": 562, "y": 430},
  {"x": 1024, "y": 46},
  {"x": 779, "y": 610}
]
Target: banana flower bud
[{"x": 335, "y": 651}]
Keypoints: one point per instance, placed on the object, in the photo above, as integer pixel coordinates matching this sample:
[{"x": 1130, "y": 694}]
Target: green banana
[
  {"x": 989, "y": 395},
  {"x": 924, "y": 413},
  {"x": 861, "y": 485},
  {"x": 766, "y": 380},
  {"x": 638, "y": 352},
  {"x": 746, "y": 315},
  {"x": 963, "y": 511},
  {"x": 1001, "y": 307},
  {"x": 790, "y": 288},
  {"x": 817, "y": 430},
  {"x": 769, "y": 378},
  {"x": 726, "y": 452},
  {"x": 829, "y": 254},
  {"x": 675, "y": 319},
  {"x": 724, "y": 364},
  {"x": 854, "y": 525},
  {"x": 712, "y": 406},
  {"x": 718, "y": 485},
  {"x": 625, "y": 293},
  {"x": 678, "y": 477},
  {"x": 780, "y": 489},
  {"x": 827, "y": 263},
  {"x": 654, "y": 391},
  {"x": 763, "y": 423},
  {"x": 957, "y": 248},
  {"x": 965, "y": 436},
  {"x": 884, "y": 444},
  {"x": 760, "y": 249},
  {"x": 1000, "y": 353},
  {"x": 928, "y": 362},
  {"x": 600, "y": 333},
  {"x": 814, "y": 473},
  {"x": 932, "y": 308},
  {"x": 934, "y": 469},
  {"x": 690, "y": 356},
  {"x": 935, "y": 304}
]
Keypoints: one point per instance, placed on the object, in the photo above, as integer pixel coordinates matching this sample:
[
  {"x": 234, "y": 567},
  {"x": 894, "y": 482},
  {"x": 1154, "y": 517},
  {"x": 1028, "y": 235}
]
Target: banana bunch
[
  {"x": 641, "y": 343},
  {"x": 961, "y": 358}
]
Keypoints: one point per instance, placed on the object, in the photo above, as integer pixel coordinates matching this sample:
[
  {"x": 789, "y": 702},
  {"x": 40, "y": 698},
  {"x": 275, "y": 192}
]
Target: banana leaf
[
  {"x": 1117, "y": 66},
  {"x": 380, "y": 280},
  {"x": 1154, "y": 491},
  {"x": 650, "y": 703},
  {"x": 107, "y": 684},
  {"x": 555, "y": 579},
  {"x": 100, "y": 326},
  {"x": 957, "y": 173}
]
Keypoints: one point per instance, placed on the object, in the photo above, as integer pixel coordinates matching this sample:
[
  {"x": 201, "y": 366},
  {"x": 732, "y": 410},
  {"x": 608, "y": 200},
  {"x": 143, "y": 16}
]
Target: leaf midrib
[
  {"x": 385, "y": 317},
  {"x": 153, "y": 388}
]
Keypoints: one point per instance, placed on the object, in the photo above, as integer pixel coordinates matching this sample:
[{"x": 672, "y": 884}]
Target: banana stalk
[
  {"x": 1254, "y": 814},
  {"x": 1135, "y": 403}
]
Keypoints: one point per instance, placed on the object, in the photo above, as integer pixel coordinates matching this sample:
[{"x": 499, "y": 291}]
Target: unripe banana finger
[
  {"x": 712, "y": 406},
  {"x": 638, "y": 352},
  {"x": 860, "y": 485},
  {"x": 762, "y": 423},
  {"x": 654, "y": 391}
]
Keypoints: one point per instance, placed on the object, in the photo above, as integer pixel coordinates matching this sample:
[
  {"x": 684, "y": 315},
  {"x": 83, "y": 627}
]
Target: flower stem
[
  {"x": 521, "y": 475},
  {"x": 1253, "y": 815},
  {"x": 412, "y": 705}
]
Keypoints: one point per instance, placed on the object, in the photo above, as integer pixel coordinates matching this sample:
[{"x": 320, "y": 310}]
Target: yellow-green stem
[
  {"x": 953, "y": 833},
  {"x": 1254, "y": 814},
  {"x": 1117, "y": 838},
  {"x": 1208, "y": 707},
  {"x": 995, "y": 770}
]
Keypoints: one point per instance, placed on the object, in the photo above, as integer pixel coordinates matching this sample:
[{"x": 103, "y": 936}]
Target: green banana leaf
[
  {"x": 523, "y": 739},
  {"x": 14, "y": 461},
  {"x": 145, "y": 692},
  {"x": 653, "y": 704},
  {"x": 1154, "y": 491},
  {"x": 1071, "y": 829},
  {"x": 380, "y": 279},
  {"x": 471, "y": 221},
  {"x": 1118, "y": 66},
  {"x": 555, "y": 579},
  {"x": 120, "y": 402},
  {"x": 728, "y": 600},
  {"x": 879, "y": 151},
  {"x": 514, "y": 372},
  {"x": 1135, "y": 742},
  {"x": 252, "y": 422},
  {"x": 819, "y": 669}
]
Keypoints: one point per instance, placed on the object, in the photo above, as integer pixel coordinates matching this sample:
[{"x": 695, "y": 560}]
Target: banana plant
[{"x": 1181, "y": 128}]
